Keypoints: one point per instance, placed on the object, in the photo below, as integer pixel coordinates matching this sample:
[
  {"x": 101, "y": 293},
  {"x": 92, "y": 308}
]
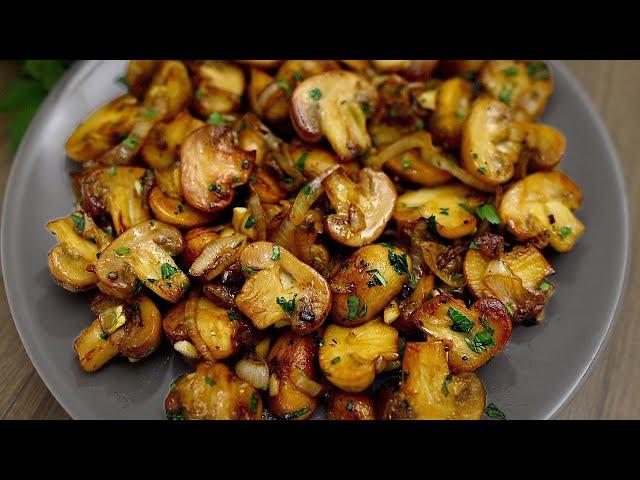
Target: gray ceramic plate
[{"x": 535, "y": 375}]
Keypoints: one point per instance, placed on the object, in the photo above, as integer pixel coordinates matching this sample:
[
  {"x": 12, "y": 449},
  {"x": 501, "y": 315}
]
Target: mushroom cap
[
  {"x": 362, "y": 210},
  {"x": 211, "y": 167}
]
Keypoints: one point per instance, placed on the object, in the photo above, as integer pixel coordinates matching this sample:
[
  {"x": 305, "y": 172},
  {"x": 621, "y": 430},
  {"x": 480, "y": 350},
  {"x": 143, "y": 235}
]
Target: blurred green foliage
[{"x": 24, "y": 94}]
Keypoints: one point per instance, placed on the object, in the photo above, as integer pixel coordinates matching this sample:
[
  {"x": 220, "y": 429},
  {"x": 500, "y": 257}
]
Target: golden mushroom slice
[
  {"x": 103, "y": 129},
  {"x": 176, "y": 212},
  {"x": 72, "y": 261},
  {"x": 525, "y": 86},
  {"x": 472, "y": 335},
  {"x": 413, "y": 69},
  {"x": 333, "y": 105},
  {"x": 402, "y": 154},
  {"x": 540, "y": 207},
  {"x": 362, "y": 210},
  {"x": 350, "y": 358},
  {"x": 131, "y": 328},
  {"x": 269, "y": 95},
  {"x": 142, "y": 255},
  {"x": 119, "y": 191},
  {"x": 428, "y": 391},
  {"x": 543, "y": 146},
  {"x": 450, "y": 110},
  {"x": 491, "y": 142},
  {"x": 282, "y": 289},
  {"x": 139, "y": 75},
  {"x": 200, "y": 330},
  {"x": 293, "y": 389},
  {"x": 450, "y": 209},
  {"x": 162, "y": 147},
  {"x": 367, "y": 282},
  {"x": 212, "y": 392},
  {"x": 219, "y": 87},
  {"x": 212, "y": 166},
  {"x": 516, "y": 278},
  {"x": 170, "y": 90},
  {"x": 350, "y": 406}
]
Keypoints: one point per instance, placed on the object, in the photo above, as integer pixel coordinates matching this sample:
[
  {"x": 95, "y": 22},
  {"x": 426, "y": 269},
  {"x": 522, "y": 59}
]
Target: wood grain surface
[{"x": 612, "y": 391}]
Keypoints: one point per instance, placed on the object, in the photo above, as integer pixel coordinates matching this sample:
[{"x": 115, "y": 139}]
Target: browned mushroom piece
[
  {"x": 429, "y": 391},
  {"x": 219, "y": 87},
  {"x": 120, "y": 192},
  {"x": 131, "y": 328},
  {"x": 72, "y": 261},
  {"x": 362, "y": 210},
  {"x": 540, "y": 207},
  {"x": 162, "y": 147},
  {"x": 280, "y": 289},
  {"x": 212, "y": 166},
  {"x": 103, "y": 129},
  {"x": 139, "y": 75},
  {"x": 334, "y": 105},
  {"x": 143, "y": 256}
]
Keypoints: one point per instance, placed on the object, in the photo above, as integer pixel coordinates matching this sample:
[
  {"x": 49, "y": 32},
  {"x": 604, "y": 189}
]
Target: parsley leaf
[
  {"x": 301, "y": 161},
  {"x": 122, "y": 251},
  {"x": 250, "y": 222},
  {"x": 461, "y": 322},
  {"x": 494, "y": 412},
  {"x": 253, "y": 408},
  {"x": 445, "y": 385},
  {"x": 399, "y": 263},
  {"x": 217, "y": 119},
  {"x": 488, "y": 212},
  {"x": 296, "y": 414},
  {"x": 276, "y": 252},
  {"x": 288, "y": 306},
  {"x": 354, "y": 308},
  {"x": 78, "y": 222},
  {"x": 168, "y": 270},
  {"x": 378, "y": 278},
  {"x": 315, "y": 94}
]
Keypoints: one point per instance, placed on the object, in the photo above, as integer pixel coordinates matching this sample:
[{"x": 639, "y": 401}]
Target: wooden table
[{"x": 613, "y": 388}]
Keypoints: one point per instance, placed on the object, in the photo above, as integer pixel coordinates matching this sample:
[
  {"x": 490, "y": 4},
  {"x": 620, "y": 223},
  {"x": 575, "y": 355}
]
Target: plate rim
[{"x": 84, "y": 67}]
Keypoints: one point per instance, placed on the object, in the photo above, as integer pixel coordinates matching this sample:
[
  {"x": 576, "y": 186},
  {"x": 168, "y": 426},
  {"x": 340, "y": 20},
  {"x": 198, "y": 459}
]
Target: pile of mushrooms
[{"x": 363, "y": 234}]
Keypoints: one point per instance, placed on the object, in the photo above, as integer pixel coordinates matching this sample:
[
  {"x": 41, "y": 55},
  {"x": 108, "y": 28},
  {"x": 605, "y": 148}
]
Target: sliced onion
[
  {"x": 253, "y": 371},
  {"x": 430, "y": 252},
  {"x": 257, "y": 212},
  {"x": 429, "y": 155},
  {"x": 186, "y": 349},
  {"x": 274, "y": 385},
  {"x": 308, "y": 195},
  {"x": 267, "y": 95},
  {"x": 304, "y": 383},
  {"x": 284, "y": 236},
  {"x": 218, "y": 255}
]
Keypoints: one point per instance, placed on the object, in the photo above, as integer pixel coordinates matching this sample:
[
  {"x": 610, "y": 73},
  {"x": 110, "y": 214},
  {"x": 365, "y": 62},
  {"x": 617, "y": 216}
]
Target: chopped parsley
[
  {"x": 250, "y": 222},
  {"x": 123, "y": 81},
  {"x": 544, "y": 286},
  {"x": 564, "y": 232},
  {"x": 121, "y": 251},
  {"x": 419, "y": 125},
  {"x": 399, "y": 263},
  {"x": 467, "y": 208},
  {"x": 112, "y": 171},
  {"x": 233, "y": 316},
  {"x": 276, "y": 252},
  {"x": 444, "y": 211},
  {"x": 168, "y": 270},
  {"x": 178, "y": 415},
  {"x": 461, "y": 323},
  {"x": 315, "y": 94},
  {"x": 433, "y": 225},
  {"x": 509, "y": 308},
  {"x": 103, "y": 336},
  {"x": 335, "y": 360},
  {"x": 494, "y": 412},
  {"x": 131, "y": 142},
  {"x": 288, "y": 306},
  {"x": 285, "y": 86},
  {"x": 445, "y": 385},
  {"x": 355, "y": 309},
  {"x": 378, "y": 278},
  {"x": 510, "y": 71},
  {"x": 149, "y": 113},
  {"x": 505, "y": 94},
  {"x": 488, "y": 212},
  {"x": 253, "y": 408},
  {"x": 217, "y": 119},
  {"x": 482, "y": 340},
  {"x": 301, "y": 161},
  {"x": 296, "y": 414},
  {"x": 538, "y": 71},
  {"x": 473, "y": 246},
  {"x": 307, "y": 189},
  {"x": 406, "y": 164},
  {"x": 482, "y": 170},
  {"x": 214, "y": 187},
  {"x": 210, "y": 381},
  {"x": 249, "y": 270},
  {"x": 297, "y": 76},
  {"x": 350, "y": 406},
  {"x": 78, "y": 222}
]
